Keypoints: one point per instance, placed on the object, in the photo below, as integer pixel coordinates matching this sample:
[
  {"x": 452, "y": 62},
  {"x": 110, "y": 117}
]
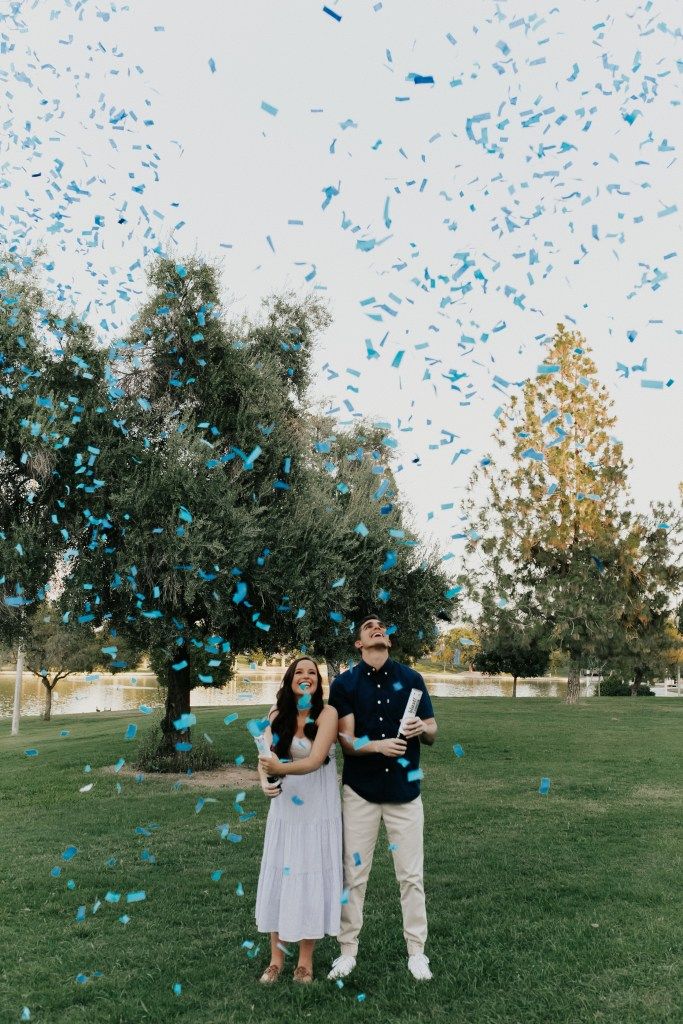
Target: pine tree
[{"x": 549, "y": 510}]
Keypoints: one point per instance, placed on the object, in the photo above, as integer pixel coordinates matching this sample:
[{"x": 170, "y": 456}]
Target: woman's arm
[{"x": 327, "y": 734}]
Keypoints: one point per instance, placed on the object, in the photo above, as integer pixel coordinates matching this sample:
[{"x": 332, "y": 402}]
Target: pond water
[{"x": 125, "y": 692}]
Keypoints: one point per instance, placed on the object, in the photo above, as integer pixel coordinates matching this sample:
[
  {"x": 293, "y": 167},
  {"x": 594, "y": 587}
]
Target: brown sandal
[
  {"x": 271, "y": 974},
  {"x": 303, "y": 976}
]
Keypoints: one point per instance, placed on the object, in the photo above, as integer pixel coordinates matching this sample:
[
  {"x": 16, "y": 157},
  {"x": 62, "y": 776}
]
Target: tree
[
  {"x": 652, "y": 575},
  {"x": 547, "y": 514},
  {"x": 50, "y": 367},
  {"x": 511, "y": 641},
  {"x": 458, "y": 647},
  {"x": 378, "y": 564},
  {"x": 206, "y": 538},
  {"x": 53, "y": 652}
]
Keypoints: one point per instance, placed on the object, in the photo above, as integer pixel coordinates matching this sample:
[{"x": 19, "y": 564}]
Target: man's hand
[
  {"x": 412, "y": 727},
  {"x": 272, "y": 765},
  {"x": 390, "y": 747},
  {"x": 270, "y": 789}
]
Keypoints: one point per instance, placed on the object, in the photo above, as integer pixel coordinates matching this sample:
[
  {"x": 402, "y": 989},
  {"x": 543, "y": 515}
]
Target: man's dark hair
[{"x": 367, "y": 618}]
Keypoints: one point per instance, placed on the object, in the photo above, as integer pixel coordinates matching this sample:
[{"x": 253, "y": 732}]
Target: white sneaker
[
  {"x": 341, "y": 967},
  {"x": 418, "y": 965}
]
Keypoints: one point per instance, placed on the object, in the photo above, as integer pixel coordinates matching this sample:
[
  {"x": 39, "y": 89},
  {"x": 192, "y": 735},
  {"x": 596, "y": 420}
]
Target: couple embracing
[{"x": 312, "y": 882}]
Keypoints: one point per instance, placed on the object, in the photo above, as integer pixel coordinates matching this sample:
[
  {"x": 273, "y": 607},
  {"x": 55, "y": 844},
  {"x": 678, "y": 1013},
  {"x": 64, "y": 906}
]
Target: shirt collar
[{"x": 388, "y": 666}]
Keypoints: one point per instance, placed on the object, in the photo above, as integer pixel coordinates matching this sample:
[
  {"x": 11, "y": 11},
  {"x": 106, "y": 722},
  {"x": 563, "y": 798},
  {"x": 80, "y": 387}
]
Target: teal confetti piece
[
  {"x": 70, "y": 853},
  {"x": 457, "y": 750},
  {"x": 31, "y": 752},
  {"x": 212, "y": 65},
  {"x": 415, "y": 775},
  {"x": 357, "y": 859},
  {"x": 216, "y": 876},
  {"x": 268, "y": 108},
  {"x": 332, "y": 14},
  {"x": 130, "y": 732},
  {"x": 239, "y": 890},
  {"x": 297, "y": 800},
  {"x": 119, "y": 764},
  {"x": 136, "y": 897},
  {"x": 360, "y": 741},
  {"x": 177, "y": 988},
  {"x": 544, "y": 787},
  {"x": 231, "y": 718}
]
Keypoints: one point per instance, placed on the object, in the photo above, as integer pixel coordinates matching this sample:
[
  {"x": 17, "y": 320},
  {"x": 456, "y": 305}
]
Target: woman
[{"x": 300, "y": 882}]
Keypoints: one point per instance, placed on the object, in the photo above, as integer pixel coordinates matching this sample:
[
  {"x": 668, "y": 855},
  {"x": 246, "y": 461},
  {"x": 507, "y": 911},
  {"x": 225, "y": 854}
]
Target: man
[{"x": 381, "y": 783}]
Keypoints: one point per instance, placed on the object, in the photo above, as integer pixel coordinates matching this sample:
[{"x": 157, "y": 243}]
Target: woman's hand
[
  {"x": 272, "y": 765},
  {"x": 270, "y": 789}
]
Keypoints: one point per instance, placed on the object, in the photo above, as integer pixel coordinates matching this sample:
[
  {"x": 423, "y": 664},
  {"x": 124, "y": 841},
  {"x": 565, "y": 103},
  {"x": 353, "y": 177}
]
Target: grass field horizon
[{"x": 557, "y": 909}]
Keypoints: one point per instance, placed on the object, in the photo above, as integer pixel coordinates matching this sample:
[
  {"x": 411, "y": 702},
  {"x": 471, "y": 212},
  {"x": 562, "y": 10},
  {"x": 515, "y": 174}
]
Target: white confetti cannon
[
  {"x": 264, "y": 751},
  {"x": 411, "y": 709}
]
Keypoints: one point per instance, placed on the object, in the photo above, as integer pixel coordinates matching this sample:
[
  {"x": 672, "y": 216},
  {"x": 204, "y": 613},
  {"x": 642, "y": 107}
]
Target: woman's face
[{"x": 305, "y": 679}]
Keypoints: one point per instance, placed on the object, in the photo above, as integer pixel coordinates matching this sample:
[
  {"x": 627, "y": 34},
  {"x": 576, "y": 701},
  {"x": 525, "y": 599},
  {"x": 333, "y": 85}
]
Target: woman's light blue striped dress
[{"x": 300, "y": 881}]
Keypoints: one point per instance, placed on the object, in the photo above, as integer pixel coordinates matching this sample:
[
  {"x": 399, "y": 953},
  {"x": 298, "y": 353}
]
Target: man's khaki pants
[{"x": 404, "y": 823}]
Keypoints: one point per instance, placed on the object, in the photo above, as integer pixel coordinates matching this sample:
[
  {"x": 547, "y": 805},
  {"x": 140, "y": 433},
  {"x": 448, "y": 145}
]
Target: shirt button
[
  {"x": 380, "y": 717},
  {"x": 383, "y": 735},
  {"x": 379, "y": 701},
  {"x": 386, "y": 769}
]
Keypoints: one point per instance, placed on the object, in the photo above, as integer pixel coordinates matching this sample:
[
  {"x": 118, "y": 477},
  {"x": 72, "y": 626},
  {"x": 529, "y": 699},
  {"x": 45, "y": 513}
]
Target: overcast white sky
[{"x": 557, "y": 201}]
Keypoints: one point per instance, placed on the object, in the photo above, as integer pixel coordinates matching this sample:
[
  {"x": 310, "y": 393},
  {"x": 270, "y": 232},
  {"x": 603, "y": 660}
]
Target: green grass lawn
[{"x": 557, "y": 909}]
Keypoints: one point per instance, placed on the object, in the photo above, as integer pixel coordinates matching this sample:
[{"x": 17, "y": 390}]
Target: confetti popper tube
[
  {"x": 264, "y": 751},
  {"x": 411, "y": 707}
]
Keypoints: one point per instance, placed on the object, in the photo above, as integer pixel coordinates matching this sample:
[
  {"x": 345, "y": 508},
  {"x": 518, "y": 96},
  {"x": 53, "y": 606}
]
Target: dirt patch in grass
[{"x": 229, "y": 777}]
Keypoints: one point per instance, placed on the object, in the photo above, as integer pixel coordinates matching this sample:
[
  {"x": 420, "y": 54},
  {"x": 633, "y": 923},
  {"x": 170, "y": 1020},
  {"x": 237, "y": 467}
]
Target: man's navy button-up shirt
[{"x": 377, "y": 699}]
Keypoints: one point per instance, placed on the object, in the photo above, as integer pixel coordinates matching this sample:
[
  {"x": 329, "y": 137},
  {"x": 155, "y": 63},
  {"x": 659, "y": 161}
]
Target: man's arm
[{"x": 347, "y": 738}]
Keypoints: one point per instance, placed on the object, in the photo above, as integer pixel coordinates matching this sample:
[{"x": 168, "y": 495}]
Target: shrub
[
  {"x": 615, "y": 686},
  {"x": 151, "y": 757}
]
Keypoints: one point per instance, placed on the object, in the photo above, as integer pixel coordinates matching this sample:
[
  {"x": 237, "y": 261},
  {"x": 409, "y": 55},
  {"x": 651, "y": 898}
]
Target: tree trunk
[
  {"x": 18, "y": 680},
  {"x": 635, "y": 683},
  {"x": 177, "y": 702},
  {"x": 47, "y": 711},
  {"x": 333, "y": 669},
  {"x": 574, "y": 682},
  {"x": 514, "y": 686}
]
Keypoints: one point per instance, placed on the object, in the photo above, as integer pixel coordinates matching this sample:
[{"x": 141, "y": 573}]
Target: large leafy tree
[
  {"x": 203, "y": 540},
  {"x": 549, "y": 508},
  {"x": 379, "y": 564},
  {"x": 50, "y": 375}
]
